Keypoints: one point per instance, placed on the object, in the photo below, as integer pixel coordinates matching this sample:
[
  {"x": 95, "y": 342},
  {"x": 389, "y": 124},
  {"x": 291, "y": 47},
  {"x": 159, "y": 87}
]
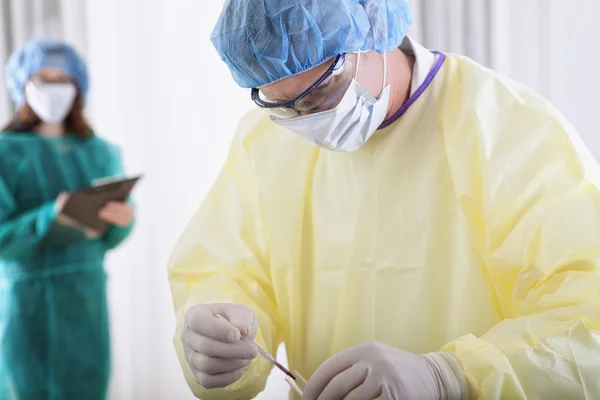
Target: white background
[{"x": 160, "y": 91}]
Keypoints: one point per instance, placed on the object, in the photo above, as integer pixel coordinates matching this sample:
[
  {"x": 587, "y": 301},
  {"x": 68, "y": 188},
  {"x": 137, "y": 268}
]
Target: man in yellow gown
[{"x": 410, "y": 224}]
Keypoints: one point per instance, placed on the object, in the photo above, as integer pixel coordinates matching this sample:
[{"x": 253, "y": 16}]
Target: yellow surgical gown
[{"x": 470, "y": 225}]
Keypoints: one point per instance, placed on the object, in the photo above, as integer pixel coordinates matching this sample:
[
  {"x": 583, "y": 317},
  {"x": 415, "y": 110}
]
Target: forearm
[
  {"x": 25, "y": 232},
  {"x": 63, "y": 234}
]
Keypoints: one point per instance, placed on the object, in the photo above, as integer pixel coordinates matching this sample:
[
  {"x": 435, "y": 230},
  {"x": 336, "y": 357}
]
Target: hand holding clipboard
[{"x": 83, "y": 206}]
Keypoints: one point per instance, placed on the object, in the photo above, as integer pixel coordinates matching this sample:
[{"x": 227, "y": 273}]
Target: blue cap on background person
[
  {"x": 42, "y": 53},
  {"x": 263, "y": 42}
]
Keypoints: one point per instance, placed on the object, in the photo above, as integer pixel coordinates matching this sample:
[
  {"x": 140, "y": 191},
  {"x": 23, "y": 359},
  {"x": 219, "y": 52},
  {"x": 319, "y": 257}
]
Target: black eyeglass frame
[{"x": 291, "y": 104}]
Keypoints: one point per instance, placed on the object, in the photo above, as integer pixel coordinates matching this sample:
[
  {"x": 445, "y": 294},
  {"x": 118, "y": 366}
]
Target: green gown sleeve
[{"x": 24, "y": 232}]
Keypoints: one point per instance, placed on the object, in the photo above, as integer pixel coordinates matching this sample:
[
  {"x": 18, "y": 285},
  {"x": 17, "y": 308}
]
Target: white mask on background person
[
  {"x": 348, "y": 126},
  {"x": 51, "y": 102}
]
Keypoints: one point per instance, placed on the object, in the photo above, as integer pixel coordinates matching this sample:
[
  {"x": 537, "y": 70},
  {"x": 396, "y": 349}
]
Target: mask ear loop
[{"x": 357, "y": 65}]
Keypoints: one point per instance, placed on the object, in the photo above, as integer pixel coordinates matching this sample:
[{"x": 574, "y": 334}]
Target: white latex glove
[
  {"x": 377, "y": 371},
  {"x": 212, "y": 340}
]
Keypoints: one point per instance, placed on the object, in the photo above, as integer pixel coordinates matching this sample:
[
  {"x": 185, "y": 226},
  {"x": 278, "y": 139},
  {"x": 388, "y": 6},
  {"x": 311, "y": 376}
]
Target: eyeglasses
[{"x": 317, "y": 98}]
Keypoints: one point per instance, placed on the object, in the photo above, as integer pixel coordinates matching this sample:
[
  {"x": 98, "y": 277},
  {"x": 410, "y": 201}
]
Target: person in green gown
[{"x": 54, "y": 326}]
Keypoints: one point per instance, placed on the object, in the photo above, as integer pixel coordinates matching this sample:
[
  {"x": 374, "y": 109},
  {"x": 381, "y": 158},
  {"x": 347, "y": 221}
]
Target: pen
[
  {"x": 266, "y": 355},
  {"x": 271, "y": 359}
]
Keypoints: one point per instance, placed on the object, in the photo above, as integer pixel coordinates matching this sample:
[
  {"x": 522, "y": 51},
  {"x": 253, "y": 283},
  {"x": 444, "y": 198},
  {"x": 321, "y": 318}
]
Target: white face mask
[
  {"x": 349, "y": 125},
  {"x": 51, "y": 102}
]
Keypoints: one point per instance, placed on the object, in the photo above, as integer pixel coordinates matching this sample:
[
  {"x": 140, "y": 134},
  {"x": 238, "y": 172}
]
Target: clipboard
[{"x": 83, "y": 204}]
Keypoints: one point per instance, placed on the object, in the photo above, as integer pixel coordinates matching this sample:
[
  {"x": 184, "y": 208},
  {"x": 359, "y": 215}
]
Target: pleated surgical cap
[
  {"x": 264, "y": 41},
  {"x": 38, "y": 54}
]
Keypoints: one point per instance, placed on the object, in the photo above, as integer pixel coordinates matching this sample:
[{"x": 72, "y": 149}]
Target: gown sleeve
[
  {"x": 538, "y": 230},
  {"x": 20, "y": 233},
  {"x": 222, "y": 257}
]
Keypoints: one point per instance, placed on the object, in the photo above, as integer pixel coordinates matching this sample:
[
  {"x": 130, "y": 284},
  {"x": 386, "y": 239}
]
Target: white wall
[
  {"x": 554, "y": 46},
  {"x": 574, "y": 65},
  {"x": 550, "y": 45}
]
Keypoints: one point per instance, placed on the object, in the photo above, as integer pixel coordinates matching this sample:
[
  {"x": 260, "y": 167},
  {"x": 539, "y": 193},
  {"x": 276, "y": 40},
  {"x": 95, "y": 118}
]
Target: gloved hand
[
  {"x": 212, "y": 341},
  {"x": 377, "y": 371}
]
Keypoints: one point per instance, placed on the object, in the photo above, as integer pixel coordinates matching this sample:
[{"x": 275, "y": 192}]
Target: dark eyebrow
[{"x": 322, "y": 86}]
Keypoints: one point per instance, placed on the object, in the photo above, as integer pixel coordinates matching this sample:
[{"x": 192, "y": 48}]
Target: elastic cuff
[{"x": 453, "y": 384}]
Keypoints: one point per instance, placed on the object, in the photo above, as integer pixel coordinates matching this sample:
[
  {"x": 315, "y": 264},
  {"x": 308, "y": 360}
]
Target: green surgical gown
[{"x": 53, "y": 311}]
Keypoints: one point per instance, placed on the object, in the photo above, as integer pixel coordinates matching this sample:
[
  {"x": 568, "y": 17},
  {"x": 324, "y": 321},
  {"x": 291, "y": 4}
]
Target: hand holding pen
[{"x": 218, "y": 341}]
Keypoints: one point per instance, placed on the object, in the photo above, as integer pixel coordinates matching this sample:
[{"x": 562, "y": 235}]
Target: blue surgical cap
[
  {"x": 38, "y": 54},
  {"x": 264, "y": 41}
]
